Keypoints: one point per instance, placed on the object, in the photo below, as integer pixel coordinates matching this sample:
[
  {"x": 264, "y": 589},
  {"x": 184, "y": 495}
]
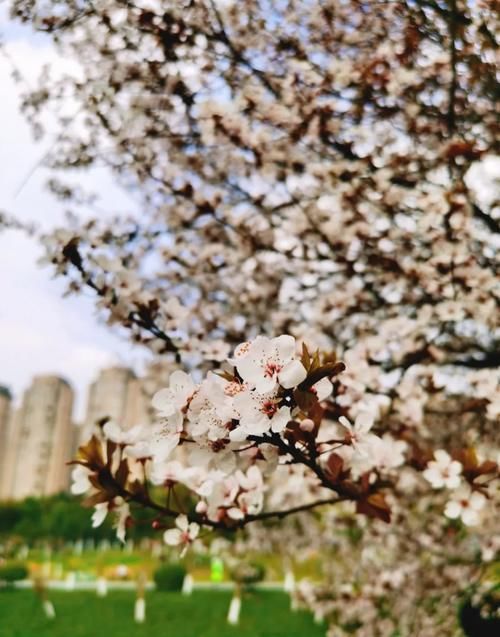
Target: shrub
[
  {"x": 13, "y": 572},
  {"x": 248, "y": 573},
  {"x": 169, "y": 577}
]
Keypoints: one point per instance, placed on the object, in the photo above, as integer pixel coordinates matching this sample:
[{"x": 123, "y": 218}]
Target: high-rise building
[
  {"x": 117, "y": 394},
  {"x": 10, "y": 454},
  {"x": 41, "y": 439},
  {"x": 5, "y": 418}
]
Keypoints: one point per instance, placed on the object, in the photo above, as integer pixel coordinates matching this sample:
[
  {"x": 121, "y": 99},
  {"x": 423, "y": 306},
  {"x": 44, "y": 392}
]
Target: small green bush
[
  {"x": 13, "y": 572},
  {"x": 248, "y": 573},
  {"x": 169, "y": 577}
]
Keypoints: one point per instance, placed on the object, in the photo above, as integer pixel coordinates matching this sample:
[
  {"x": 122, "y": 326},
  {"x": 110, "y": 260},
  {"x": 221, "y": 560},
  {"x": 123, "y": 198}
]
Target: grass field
[{"x": 82, "y": 614}]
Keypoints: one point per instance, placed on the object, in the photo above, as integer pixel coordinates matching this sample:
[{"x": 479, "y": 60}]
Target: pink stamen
[
  {"x": 269, "y": 408},
  {"x": 272, "y": 369}
]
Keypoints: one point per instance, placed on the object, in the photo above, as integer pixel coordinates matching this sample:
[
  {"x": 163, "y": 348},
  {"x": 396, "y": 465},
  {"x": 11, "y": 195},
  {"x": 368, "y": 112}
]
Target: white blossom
[
  {"x": 358, "y": 434},
  {"x": 466, "y": 505},
  {"x": 80, "y": 480},
  {"x": 443, "y": 471},
  {"x": 259, "y": 414},
  {"x": 185, "y": 533},
  {"x": 174, "y": 399},
  {"x": 124, "y": 436},
  {"x": 268, "y": 362}
]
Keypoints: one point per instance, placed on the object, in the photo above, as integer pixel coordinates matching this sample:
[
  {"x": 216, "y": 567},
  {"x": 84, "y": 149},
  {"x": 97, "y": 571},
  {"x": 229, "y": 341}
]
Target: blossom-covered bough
[
  {"x": 301, "y": 168},
  {"x": 318, "y": 169},
  {"x": 232, "y": 439}
]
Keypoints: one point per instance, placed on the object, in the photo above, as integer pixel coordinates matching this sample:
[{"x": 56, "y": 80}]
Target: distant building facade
[
  {"x": 117, "y": 394},
  {"x": 40, "y": 440}
]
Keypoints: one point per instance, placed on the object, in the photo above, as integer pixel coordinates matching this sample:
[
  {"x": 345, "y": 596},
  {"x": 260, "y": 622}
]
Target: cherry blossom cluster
[
  {"x": 257, "y": 440},
  {"x": 464, "y": 503},
  {"x": 323, "y": 184},
  {"x": 412, "y": 577}
]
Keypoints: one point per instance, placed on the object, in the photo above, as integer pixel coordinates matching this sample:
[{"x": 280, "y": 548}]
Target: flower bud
[
  {"x": 201, "y": 507},
  {"x": 307, "y": 424}
]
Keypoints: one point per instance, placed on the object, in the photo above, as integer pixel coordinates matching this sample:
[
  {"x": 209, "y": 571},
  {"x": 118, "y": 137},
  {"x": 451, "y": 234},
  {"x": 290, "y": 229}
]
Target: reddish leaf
[
  {"x": 122, "y": 474},
  {"x": 305, "y": 399},
  {"x": 322, "y": 371},
  {"x": 305, "y": 358},
  {"x": 316, "y": 414},
  {"x": 91, "y": 454},
  {"x": 374, "y": 506},
  {"x": 110, "y": 449},
  {"x": 468, "y": 458},
  {"x": 96, "y": 498},
  {"x": 334, "y": 467},
  {"x": 488, "y": 466},
  {"x": 225, "y": 375}
]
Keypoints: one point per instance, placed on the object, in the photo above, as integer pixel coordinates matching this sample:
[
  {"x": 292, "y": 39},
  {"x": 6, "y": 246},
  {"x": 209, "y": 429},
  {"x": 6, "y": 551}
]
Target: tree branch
[
  {"x": 492, "y": 224},
  {"x": 231, "y": 525}
]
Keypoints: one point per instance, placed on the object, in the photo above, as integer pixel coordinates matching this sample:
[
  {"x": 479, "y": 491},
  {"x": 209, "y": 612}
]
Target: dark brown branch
[
  {"x": 232, "y": 525},
  {"x": 238, "y": 57},
  {"x": 72, "y": 254},
  {"x": 487, "y": 219},
  {"x": 491, "y": 360},
  {"x": 286, "y": 512}
]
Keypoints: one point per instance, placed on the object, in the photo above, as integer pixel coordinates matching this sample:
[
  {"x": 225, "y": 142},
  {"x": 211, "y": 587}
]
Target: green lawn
[{"x": 82, "y": 614}]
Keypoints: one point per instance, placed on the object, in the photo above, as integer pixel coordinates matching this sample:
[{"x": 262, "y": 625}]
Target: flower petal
[
  {"x": 193, "y": 530},
  {"x": 453, "y": 510},
  {"x": 345, "y": 423},
  {"x": 280, "y": 419},
  {"x": 235, "y": 514},
  {"x": 323, "y": 388},
  {"x": 285, "y": 346},
  {"x": 163, "y": 401},
  {"x": 113, "y": 431},
  {"x": 180, "y": 382},
  {"x": 181, "y": 522},
  {"x": 364, "y": 422},
  {"x": 100, "y": 513},
  {"x": 172, "y": 537},
  {"x": 292, "y": 374},
  {"x": 442, "y": 457}
]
